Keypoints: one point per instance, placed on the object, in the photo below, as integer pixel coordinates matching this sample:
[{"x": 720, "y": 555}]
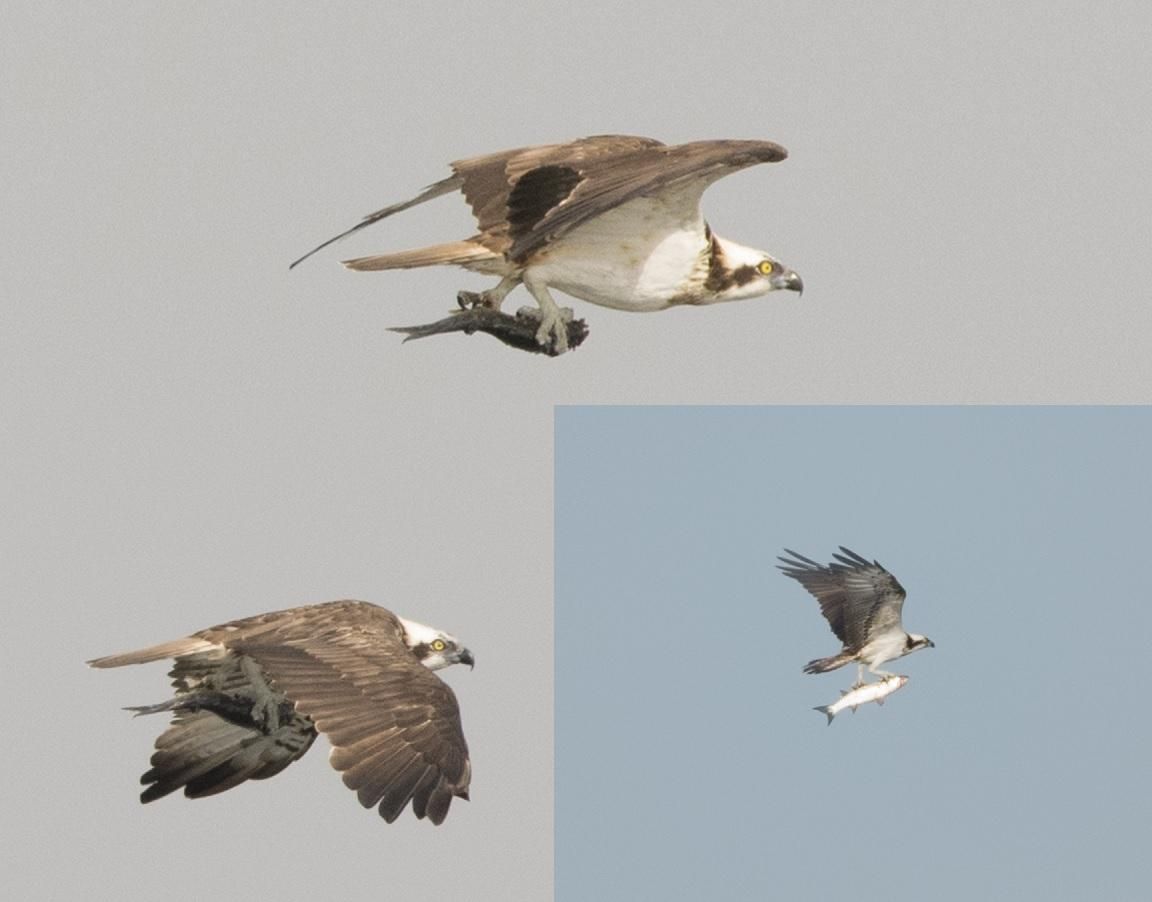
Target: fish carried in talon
[
  {"x": 614, "y": 220},
  {"x": 861, "y": 695}
]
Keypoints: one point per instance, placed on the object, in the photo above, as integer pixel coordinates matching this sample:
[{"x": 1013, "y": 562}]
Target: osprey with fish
[
  {"x": 251, "y": 696},
  {"x": 611, "y": 219},
  {"x": 862, "y": 602}
]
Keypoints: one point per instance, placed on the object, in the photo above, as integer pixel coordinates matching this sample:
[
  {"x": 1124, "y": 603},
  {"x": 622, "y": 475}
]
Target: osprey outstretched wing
[
  {"x": 862, "y": 602},
  {"x": 252, "y": 694},
  {"x": 612, "y": 219}
]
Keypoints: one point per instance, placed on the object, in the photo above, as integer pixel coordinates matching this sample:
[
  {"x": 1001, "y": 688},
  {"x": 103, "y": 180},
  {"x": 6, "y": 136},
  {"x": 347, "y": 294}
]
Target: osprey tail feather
[
  {"x": 823, "y": 665},
  {"x": 460, "y": 253},
  {"x": 174, "y": 649}
]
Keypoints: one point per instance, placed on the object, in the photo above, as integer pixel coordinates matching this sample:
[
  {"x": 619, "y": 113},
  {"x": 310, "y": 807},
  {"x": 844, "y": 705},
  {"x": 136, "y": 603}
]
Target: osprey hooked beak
[
  {"x": 465, "y": 657},
  {"x": 789, "y": 281}
]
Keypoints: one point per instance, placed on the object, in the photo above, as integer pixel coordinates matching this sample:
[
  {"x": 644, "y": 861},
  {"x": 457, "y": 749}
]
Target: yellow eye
[
  {"x": 766, "y": 267},
  {"x": 438, "y": 645}
]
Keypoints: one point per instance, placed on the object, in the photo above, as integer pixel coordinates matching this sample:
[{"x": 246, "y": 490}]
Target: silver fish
[{"x": 869, "y": 692}]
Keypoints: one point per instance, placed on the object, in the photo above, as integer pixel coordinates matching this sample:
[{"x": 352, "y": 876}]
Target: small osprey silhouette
[
  {"x": 252, "y": 694},
  {"x": 862, "y": 603},
  {"x": 612, "y": 219}
]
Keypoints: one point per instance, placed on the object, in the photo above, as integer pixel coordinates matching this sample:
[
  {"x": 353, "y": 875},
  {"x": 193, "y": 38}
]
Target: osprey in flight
[
  {"x": 611, "y": 219},
  {"x": 862, "y": 603},
  {"x": 252, "y": 694}
]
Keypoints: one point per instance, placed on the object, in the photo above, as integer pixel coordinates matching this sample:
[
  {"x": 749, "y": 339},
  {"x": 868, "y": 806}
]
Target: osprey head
[
  {"x": 914, "y": 642},
  {"x": 435, "y": 648},
  {"x": 737, "y": 272}
]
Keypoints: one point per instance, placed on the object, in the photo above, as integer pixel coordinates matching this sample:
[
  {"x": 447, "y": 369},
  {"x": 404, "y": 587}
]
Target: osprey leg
[
  {"x": 265, "y": 701},
  {"x": 553, "y": 317},
  {"x": 491, "y": 298}
]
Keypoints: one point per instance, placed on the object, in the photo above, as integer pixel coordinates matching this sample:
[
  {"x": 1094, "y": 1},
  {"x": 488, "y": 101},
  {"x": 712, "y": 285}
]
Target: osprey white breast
[{"x": 629, "y": 258}]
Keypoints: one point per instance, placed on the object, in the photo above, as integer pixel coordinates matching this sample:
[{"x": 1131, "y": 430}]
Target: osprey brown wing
[
  {"x": 205, "y": 754},
  {"x": 856, "y": 596},
  {"x": 582, "y": 190},
  {"x": 393, "y": 724},
  {"x": 342, "y": 668},
  {"x": 514, "y": 189}
]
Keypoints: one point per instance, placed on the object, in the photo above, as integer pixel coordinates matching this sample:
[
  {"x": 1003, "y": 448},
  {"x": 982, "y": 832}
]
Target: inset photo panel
[{"x": 798, "y": 648}]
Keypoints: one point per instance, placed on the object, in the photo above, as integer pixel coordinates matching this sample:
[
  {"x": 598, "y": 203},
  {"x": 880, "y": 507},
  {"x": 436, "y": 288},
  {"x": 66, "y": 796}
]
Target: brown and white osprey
[
  {"x": 252, "y": 694},
  {"x": 611, "y": 219},
  {"x": 862, "y": 602}
]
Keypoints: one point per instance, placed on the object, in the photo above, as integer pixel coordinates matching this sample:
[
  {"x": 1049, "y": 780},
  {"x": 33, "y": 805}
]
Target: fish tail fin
[
  {"x": 170, "y": 705},
  {"x": 827, "y": 711}
]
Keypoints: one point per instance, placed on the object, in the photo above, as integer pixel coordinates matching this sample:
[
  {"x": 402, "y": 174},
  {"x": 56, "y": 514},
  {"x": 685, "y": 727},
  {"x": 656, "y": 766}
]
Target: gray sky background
[
  {"x": 689, "y": 762},
  {"x": 192, "y": 433}
]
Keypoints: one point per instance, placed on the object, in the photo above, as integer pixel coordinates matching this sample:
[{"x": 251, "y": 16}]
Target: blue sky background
[{"x": 689, "y": 762}]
